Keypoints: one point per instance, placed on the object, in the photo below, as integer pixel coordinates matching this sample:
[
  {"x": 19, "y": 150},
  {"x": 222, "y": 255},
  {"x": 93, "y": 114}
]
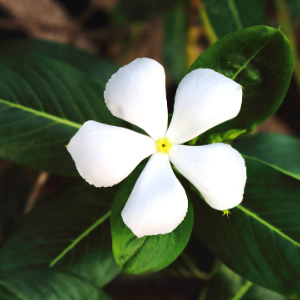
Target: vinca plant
[{"x": 144, "y": 184}]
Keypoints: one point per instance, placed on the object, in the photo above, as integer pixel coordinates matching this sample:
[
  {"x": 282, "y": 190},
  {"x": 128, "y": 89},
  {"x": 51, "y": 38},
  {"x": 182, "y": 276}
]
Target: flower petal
[
  {"x": 137, "y": 94},
  {"x": 218, "y": 171},
  {"x": 204, "y": 99},
  {"x": 104, "y": 155},
  {"x": 158, "y": 203}
]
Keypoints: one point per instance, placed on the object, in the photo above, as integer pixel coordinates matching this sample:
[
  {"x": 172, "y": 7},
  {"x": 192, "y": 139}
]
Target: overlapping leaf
[
  {"x": 56, "y": 233},
  {"x": 278, "y": 150},
  {"x": 260, "y": 59},
  {"x": 261, "y": 238},
  {"x": 43, "y": 102},
  {"x": 37, "y": 284},
  {"x": 228, "y": 285},
  {"x": 150, "y": 253},
  {"x": 97, "y": 67}
]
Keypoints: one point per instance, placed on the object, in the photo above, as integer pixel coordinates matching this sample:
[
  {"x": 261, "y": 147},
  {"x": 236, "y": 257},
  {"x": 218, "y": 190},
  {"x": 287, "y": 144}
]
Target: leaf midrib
[
  {"x": 286, "y": 172},
  {"x": 247, "y": 62},
  {"x": 41, "y": 114},
  {"x": 271, "y": 227},
  {"x": 134, "y": 252},
  {"x": 79, "y": 238}
]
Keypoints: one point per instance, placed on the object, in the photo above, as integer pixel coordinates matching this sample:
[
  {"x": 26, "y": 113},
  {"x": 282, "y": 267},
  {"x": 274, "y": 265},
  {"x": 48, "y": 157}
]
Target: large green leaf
[
  {"x": 68, "y": 231},
  {"x": 227, "y": 16},
  {"x": 95, "y": 66},
  {"x": 228, "y": 285},
  {"x": 260, "y": 59},
  {"x": 260, "y": 240},
  {"x": 278, "y": 150},
  {"x": 46, "y": 284},
  {"x": 43, "y": 102},
  {"x": 149, "y": 253}
]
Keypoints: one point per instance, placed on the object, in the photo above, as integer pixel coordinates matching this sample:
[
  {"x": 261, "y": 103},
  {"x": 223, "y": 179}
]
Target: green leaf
[
  {"x": 260, "y": 59},
  {"x": 150, "y": 253},
  {"x": 37, "y": 284},
  {"x": 43, "y": 102},
  {"x": 227, "y": 16},
  {"x": 280, "y": 151},
  {"x": 98, "y": 68},
  {"x": 260, "y": 240},
  {"x": 228, "y": 285},
  {"x": 174, "y": 43},
  {"x": 56, "y": 233}
]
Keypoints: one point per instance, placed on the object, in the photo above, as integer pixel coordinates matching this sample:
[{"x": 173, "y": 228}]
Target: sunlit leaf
[{"x": 260, "y": 59}]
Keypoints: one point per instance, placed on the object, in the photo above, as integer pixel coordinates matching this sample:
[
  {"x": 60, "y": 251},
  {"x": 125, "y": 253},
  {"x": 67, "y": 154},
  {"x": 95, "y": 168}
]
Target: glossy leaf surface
[
  {"x": 150, "y": 253},
  {"x": 91, "y": 64},
  {"x": 56, "y": 233},
  {"x": 260, "y": 59},
  {"x": 43, "y": 102},
  {"x": 37, "y": 284},
  {"x": 260, "y": 240},
  {"x": 279, "y": 150},
  {"x": 228, "y": 285}
]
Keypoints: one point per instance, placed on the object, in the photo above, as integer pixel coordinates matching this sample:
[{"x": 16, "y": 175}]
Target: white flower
[{"x": 104, "y": 155}]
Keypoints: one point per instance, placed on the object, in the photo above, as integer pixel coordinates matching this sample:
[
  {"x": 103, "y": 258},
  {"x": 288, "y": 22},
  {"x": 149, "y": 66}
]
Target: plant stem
[{"x": 38, "y": 185}]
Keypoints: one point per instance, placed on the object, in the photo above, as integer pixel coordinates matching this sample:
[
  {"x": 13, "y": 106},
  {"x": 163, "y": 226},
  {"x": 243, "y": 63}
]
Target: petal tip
[{"x": 141, "y": 232}]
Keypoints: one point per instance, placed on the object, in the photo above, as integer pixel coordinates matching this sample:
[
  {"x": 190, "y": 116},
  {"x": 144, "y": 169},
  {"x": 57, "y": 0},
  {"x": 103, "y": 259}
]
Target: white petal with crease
[
  {"x": 218, "y": 171},
  {"x": 158, "y": 203},
  {"x": 137, "y": 94},
  {"x": 204, "y": 99},
  {"x": 104, "y": 155}
]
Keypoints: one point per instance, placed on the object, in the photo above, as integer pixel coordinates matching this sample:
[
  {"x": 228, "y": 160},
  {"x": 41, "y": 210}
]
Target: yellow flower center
[{"x": 163, "y": 145}]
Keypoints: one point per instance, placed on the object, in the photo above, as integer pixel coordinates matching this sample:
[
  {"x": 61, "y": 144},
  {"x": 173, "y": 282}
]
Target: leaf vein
[
  {"x": 271, "y": 227},
  {"x": 247, "y": 62},
  {"x": 42, "y": 114},
  {"x": 77, "y": 240},
  {"x": 286, "y": 172},
  {"x": 136, "y": 250}
]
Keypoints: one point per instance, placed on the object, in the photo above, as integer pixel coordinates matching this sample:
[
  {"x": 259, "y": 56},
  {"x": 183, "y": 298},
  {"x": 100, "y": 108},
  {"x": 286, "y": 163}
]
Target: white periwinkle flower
[{"x": 104, "y": 155}]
